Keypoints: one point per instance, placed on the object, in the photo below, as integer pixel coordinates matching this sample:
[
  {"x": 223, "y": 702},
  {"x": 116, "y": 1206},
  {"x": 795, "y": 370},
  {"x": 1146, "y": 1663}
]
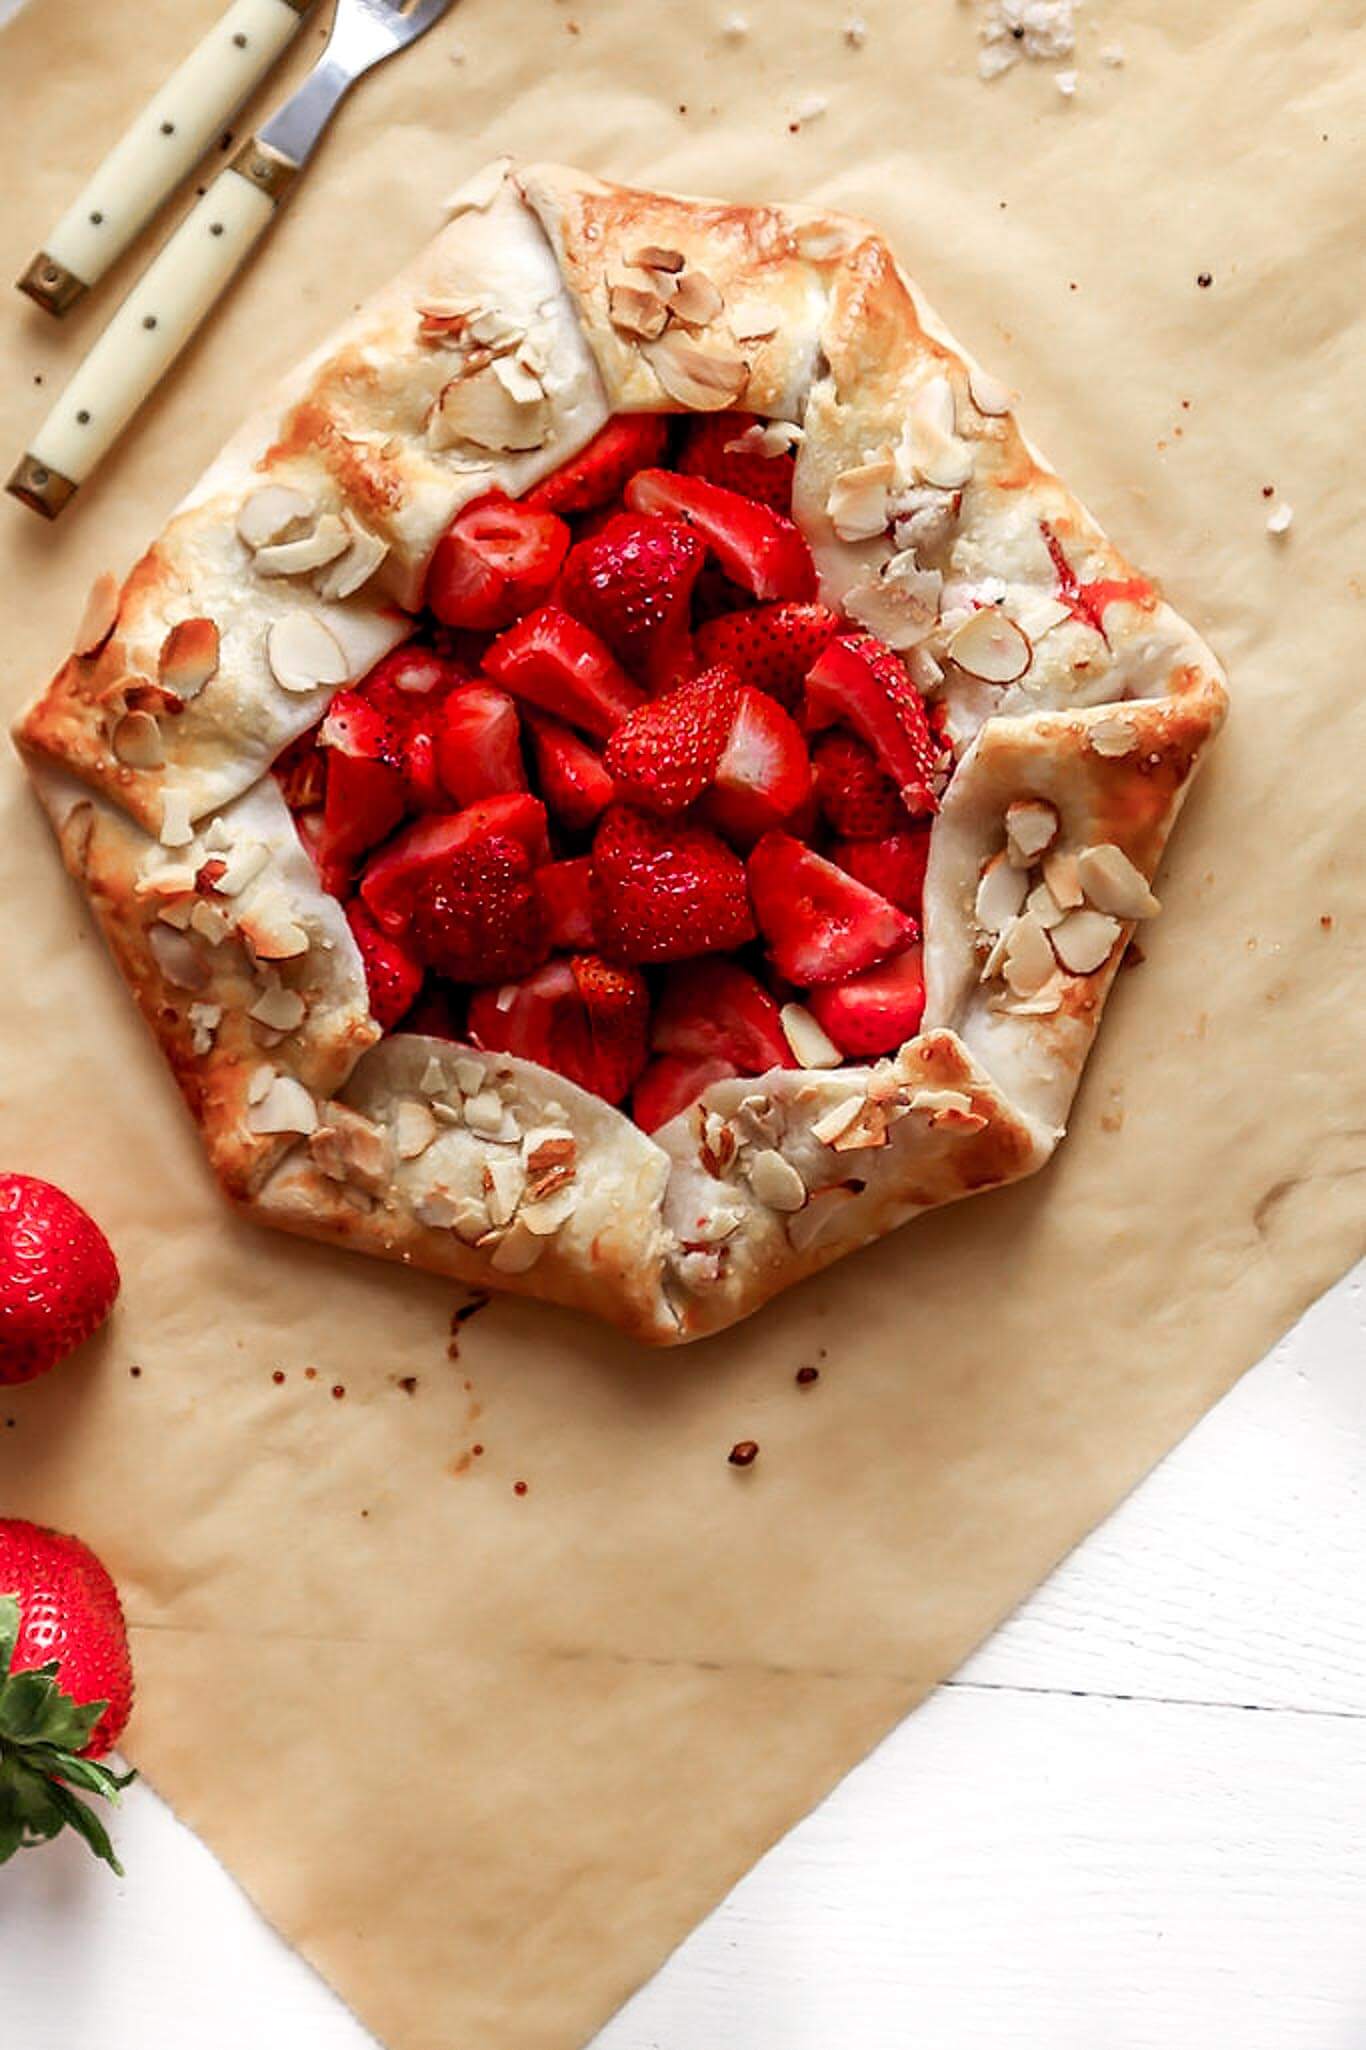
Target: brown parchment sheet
[{"x": 485, "y": 1757}]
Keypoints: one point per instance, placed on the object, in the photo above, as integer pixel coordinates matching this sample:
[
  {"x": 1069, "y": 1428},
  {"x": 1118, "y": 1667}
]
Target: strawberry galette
[{"x": 632, "y": 778}]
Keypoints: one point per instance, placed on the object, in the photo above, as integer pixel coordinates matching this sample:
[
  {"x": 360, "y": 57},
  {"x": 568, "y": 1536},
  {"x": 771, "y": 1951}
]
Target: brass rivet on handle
[
  {"x": 39, "y": 487},
  {"x": 272, "y": 174},
  {"x": 50, "y": 284}
]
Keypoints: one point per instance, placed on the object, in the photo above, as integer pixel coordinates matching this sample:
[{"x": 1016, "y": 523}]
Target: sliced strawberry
[
  {"x": 478, "y": 743},
  {"x": 399, "y": 681},
  {"x": 301, "y": 772},
  {"x": 631, "y": 583},
  {"x": 571, "y": 777},
  {"x": 757, "y": 548},
  {"x": 596, "y": 475},
  {"x": 393, "y": 976},
  {"x": 367, "y": 793},
  {"x": 459, "y": 889},
  {"x": 856, "y": 800},
  {"x": 391, "y": 717},
  {"x": 618, "y": 1007},
  {"x": 820, "y": 924},
  {"x": 764, "y": 776},
  {"x": 669, "y": 750},
  {"x": 709, "y": 451},
  {"x": 552, "y": 661},
  {"x": 715, "y": 1010},
  {"x": 664, "y": 891},
  {"x": 863, "y": 683},
  {"x": 670, "y": 1084},
  {"x": 495, "y": 561},
  {"x": 565, "y": 889},
  {"x": 582, "y": 1018},
  {"x": 770, "y": 647},
  {"x": 894, "y": 866},
  {"x": 877, "y": 1011}
]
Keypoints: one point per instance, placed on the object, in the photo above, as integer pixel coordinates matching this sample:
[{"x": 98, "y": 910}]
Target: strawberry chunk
[
  {"x": 393, "y": 977},
  {"x": 572, "y": 779},
  {"x": 495, "y": 561},
  {"x": 820, "y": 924},
  {"x": 709, "y": 451},
  {"x": 459, "y": 890},
  {"x": 301, "y": 772},
  {"x": 565, "y": 889},
  {"x": 596, "y": 475},
  {"x": 583, "y": 1018},
  {"x": 670, "y": 1084},
  {"x": 759, "y": 549},
  {"x": 894, "y": 866},
  {"x": 478, "y": 743},
  {"x": 763, "y": 778},
  {"x": 877, "y": 1011},
  {"x": 856, "y": 800},
  {"x": 770, "y": 647},
  {"x": 631, "y": 583},
  {"x": 366, "y": 794},
  {"x": 552, "y": 661},
  {"x": 714, "y": 1010},
  {"x": 669, "y": 750},
  {"x": 863, "y": 683},
  {"x": 664, "y": 891}
]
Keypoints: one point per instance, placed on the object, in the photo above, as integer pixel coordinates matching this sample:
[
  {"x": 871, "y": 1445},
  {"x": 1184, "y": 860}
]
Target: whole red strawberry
[
  {"x": 58, "y": 1277},
  {"x": 66, "y": 1687}
]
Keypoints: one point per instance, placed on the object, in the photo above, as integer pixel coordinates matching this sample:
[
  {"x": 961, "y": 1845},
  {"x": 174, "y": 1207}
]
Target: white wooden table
[{"x": 1134, "y": 1821}]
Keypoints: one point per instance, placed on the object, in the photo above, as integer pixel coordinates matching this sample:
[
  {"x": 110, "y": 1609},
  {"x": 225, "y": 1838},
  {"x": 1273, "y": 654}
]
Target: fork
[{"x": 192, "y": 271}]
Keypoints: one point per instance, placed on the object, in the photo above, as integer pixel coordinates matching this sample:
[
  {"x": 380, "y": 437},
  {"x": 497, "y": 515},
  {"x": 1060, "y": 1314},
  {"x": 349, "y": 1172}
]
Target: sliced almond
[
  {"x": 703, "y": 380},
  {"x": 188, "y": 658},
  {"x": 634, "y": 310},
  {"x": 242, "y": 863},
  {"x": 304, "y": 654},
  {"x": 989, "y": 395},
  {"x": 518, "y": 1249},
  {"x": 1000, "y": 894},
  {"x": 136, "y": 741},
  {"x": 1036, "y": 613},
  {"x": 285, "y": 1107},
  {"x": 549, "y": 1213},
  {"x": 504, "y": 1182},
  {"x": 484, "y": 1113},
  {"x": 480, "y": 412},
  {"x": 835, "y": 1122},
  {"x": 775, "y": 1181},
  {"x": 1110, "y": 881},
  {"x": 259, "y": 1082},
  {"x": 522, "y": 386},
  {"x": 652, "y": 257},
  {"x": 754, "y": 323},
  {"x": 767, "y": 438},
  {"x": 1060, "y": 874},
  {"x": 696, "y": 300},
  {"x": 811, "y": 1044},
  {"x": 271, "y": 930},
  {"x": 937, "y": 452},
  {"x": 1043, "y": 905},
  {"x": 283, "y": 1010},
  {"x": 350, "y": 1148},
  {"x": 470, "y": 1074},
  {"x": 329, "y": 539},
  {"x": 1042, "y": 1004},
  {"x": 859, "y": 502},
  {"x": 414, "y": 1128},
  {"x": 181, "y": 962},
  {"x": 901, "y": 606},
  {"x": 204, "y": 1021},
  {"x": 1028, "y": 956},
  {"x": 1113, "y": 736},
  {"x": 210, "y": 921},
  {"x": 177, "y": 829},
  {"x": 98, "y": 618},
  {"x": 1031, "y": 829},
  {"x": 989, "y": 645},
  {"x": 1085, "y": 940},
  {"x": 273, "y": 513},
  {"x": 344, "y": 577}
]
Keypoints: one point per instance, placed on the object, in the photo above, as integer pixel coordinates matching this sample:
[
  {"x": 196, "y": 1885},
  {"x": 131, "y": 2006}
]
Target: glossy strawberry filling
[{"x": 632, "y": 803}]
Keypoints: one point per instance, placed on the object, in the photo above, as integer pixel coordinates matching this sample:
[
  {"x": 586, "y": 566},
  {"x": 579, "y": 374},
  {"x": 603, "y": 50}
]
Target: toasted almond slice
[
  {"x": 177, "y": 829},
  {"x": 754, "y": 323},
  {"x": 775, "y": 1181},
  {"x": 204, "y": 1021},
  {"x": 271, "y": 930},
  {"x": 859, "y": 502},
  {"x": 523, "y": 386},
  {"x": 833, "y": 1123},
  {"x": 259, "y": 1082},
  {"x": 282, "y": 1009},
  {"x": 767, "y": 438},
  {"x": 329, "y": 539},
  {"x": 696, "y": 300},
  {"x": 304, "y": 654},
  {"x": 1043, "y": 905},
  {"x": 504, "y": 1182},
  {"x": 518, "y": 1249},
  {"x": 901, "y": 606},
  {"x": 991, "y": 646},
  {"x": 1060, "y": 874},
  {"x": 344, "y": 577},
  {"x": 285, "y": 1107},
  {"x": 414, "y": 1128},
  {"x": 635, "y": 310},
  {"x": 1036, "y": 613},
  {"x": 484, "y": 1113},
  {"x": 989, "y": 395},
  {"x": 1031, "y": 829},
  {"x": 188, "y": 658},
  {"x": 470, "y": 1074},
  {"x": 549, "y": 1213},
  {"x": 1028, "y": 956},
  {"x": 1042, "y": 1004},
  {"x": 98, "y": 618},
  {"x": 210, "y": 921},
  {"x": 811, "y": 1044},
  {"x": 136, "y": 741},
  {"x": 937, "y": 452},
  {"x": 1000, "y": 894},
  {"x": 242, "y": 863},
  {"x": 273, "y": 513},
  {"x": 181, "y": 962},
  {"x": 1084, "y": 941},
  {"x": 652, "y": 257},
  {"x": 482, "y": 413},
  {"x": 1113, "y": 736},
  {"x": 703, "y": 380},
  {"x": 1110, "y": 881}
]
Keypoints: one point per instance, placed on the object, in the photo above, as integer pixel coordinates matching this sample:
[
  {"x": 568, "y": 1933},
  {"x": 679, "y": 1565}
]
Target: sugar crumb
[{"x": 1279, "y": 518}]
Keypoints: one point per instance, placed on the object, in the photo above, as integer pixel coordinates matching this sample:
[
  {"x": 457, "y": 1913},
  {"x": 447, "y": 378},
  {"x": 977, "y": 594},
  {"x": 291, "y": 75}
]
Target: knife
[
  {"x": 187, "y": 277},
  {"x": 160, "y": 150}
]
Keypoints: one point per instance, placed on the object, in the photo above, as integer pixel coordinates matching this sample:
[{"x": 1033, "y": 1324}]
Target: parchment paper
[{"x": 485, "y": 1757}]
